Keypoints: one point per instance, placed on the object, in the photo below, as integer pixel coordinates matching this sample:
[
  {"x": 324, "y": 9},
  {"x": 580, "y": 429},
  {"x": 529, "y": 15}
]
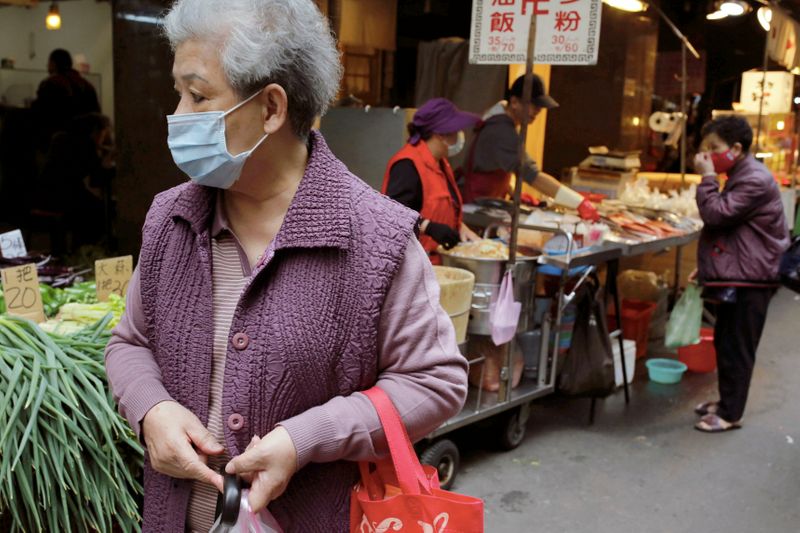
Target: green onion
[{"x": 68, "y": 460}]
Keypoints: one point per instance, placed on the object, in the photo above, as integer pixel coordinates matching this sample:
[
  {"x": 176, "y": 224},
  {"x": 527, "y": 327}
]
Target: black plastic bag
[
  {"x": 790, "y": 266},
  {"x": 588, "y": 369}
]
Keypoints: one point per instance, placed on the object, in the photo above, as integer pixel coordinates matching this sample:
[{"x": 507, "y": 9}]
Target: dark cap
[
  {"x": 539, "y": 96},
  {"x": 440, "y": 115}
]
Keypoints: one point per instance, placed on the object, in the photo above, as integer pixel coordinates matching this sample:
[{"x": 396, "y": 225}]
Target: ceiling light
[
  {"x": 716, "y": 15},
  {"x": 764, "y": 15},
  {"x": 797, "y": 100},
  {"x": 53, "y": 19},
  {"x": 734, "y": 8},
  {"x": 633, "y": 6}
]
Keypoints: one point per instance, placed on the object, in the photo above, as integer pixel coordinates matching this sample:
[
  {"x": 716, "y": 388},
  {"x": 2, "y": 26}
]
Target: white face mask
[
  {"x": 455, "y": 149},
  {"x": 197, "y": 143}
]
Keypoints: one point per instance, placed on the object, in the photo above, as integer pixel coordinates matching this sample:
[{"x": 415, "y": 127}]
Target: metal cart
[{"x": 510, "y": 407}]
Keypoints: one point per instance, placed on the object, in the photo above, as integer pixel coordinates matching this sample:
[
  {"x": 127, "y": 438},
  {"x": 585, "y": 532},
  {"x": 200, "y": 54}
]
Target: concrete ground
[{"x": 642, "y": 467}]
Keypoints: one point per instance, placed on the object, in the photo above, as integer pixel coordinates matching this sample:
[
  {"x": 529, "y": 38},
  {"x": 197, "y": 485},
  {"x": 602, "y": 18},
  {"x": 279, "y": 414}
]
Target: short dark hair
[
  {"x": 61, "y": 59},
  {"x": 414, "y": 130},
  {"x": 731, "y": 129}
]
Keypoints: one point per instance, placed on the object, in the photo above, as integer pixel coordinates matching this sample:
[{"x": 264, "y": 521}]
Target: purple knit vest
[{"x": 306, "y": 324}]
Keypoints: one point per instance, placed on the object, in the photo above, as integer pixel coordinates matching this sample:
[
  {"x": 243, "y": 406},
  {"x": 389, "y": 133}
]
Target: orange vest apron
[
  {"x": 438, "y": 204},
  {"x": 492, "y": 184}
]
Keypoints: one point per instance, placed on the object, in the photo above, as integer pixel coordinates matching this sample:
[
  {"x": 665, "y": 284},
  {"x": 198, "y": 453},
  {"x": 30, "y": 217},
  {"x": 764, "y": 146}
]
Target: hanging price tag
[
  {"x": 112, "y": 276},
  {"x": 12, "y": 245},
  {"x": 21, "y": 292}
]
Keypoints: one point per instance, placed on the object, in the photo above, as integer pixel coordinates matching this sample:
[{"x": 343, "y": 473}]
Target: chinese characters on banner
[
  {"x": 782, "y": 43},
  {"x": 567, "y": 31}
]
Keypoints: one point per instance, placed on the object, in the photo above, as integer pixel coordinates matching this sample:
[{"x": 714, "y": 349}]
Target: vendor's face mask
[
  {"x": 197, "y": 143},
  {"x": 455, "y": 149},
  {"x": 723, "y": 161}
]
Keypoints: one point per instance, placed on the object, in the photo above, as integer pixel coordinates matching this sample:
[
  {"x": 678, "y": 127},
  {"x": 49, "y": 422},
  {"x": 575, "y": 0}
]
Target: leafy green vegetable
[
  {"x": 68, "y": 460},
  {"x": 91, "y": 313}
]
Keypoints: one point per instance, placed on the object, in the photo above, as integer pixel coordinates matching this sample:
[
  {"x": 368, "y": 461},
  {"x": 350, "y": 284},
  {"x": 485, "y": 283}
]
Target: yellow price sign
[
  {"x": 112, "y": 276},
  {"x": 21, "y": 292}
]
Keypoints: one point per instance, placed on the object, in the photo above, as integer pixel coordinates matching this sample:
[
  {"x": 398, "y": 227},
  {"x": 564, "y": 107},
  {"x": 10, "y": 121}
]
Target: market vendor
[
  {"x": 494, "y": 152},
  {"x": 272, "y": 288},
  {"x": 420, "y": 177}
]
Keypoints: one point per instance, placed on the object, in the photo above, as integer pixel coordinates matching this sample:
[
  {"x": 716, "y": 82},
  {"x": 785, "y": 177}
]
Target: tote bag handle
[{"x": 408, "y": 470}]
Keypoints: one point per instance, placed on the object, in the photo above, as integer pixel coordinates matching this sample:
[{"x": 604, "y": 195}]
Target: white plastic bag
[
  {"x": 238, "y": 517},
  {"x": 504, "y": 313}
]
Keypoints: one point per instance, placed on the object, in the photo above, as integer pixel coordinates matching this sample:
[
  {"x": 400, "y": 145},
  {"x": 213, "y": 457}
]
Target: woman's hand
[
  {"x": 179, "y": 444},
  {"x": 703, "y": 164},
  {"x": 269, "y": 463},
  {"x": 693, "y": 276},
  {"x": 467, "y": 235}
]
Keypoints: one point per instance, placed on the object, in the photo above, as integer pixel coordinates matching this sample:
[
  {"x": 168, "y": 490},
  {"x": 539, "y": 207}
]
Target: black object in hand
[{"x": 443, "y": 234}]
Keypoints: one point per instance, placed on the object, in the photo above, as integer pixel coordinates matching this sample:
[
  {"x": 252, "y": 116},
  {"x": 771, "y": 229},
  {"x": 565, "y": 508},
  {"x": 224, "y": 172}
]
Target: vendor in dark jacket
[
  {"x": 494, "y": 153},
  {"x": 420, "y": 177},
  {"x": 740, "y": 248}
]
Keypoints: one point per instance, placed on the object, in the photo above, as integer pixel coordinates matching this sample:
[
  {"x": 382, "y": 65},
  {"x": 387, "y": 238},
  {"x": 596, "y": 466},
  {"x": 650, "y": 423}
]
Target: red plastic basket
[
  {"x": 700, "y": 357},
  {"x": 636, "y": 317}
]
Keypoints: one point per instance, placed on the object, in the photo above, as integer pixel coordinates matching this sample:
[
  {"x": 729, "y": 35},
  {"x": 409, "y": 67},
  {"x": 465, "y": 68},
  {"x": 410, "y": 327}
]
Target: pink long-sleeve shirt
[{"x": 418, "y": 362}]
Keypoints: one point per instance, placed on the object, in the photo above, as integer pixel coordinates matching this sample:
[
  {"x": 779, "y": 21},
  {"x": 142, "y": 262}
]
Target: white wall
[{"x": 85, "y": 28}]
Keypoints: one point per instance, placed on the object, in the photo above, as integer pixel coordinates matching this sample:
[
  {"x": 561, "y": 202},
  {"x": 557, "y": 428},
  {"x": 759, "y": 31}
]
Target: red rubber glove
[{"x": 588, "y": 211}]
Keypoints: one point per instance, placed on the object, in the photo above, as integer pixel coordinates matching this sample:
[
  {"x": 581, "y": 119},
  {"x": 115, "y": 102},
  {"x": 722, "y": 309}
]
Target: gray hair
[{"x": 287, "y": 42}]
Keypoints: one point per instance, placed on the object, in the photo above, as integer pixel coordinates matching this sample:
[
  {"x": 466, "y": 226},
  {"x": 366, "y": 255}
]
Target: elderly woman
[{"x": 272, "y": 287}]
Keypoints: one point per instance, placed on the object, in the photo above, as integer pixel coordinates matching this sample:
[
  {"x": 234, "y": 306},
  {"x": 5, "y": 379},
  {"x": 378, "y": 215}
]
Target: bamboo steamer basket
[{"x": 455, "y": 296}]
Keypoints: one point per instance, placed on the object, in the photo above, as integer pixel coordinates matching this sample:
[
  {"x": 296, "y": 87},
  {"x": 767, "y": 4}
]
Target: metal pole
[
  {"x": 507, "y": 381},
  {"x": 684, "y": 112},
  {"x": 686, "y": 46},
  {"x": 763, "y": 90},
  {"x": 527, "y": 87}
]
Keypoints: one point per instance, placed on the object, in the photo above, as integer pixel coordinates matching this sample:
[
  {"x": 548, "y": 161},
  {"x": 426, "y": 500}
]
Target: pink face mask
[{"x": 723, "y": 162}]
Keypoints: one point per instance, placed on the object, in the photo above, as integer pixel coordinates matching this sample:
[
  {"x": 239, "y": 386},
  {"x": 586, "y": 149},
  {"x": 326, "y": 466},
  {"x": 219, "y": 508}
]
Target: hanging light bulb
[
  {"x": 716, "y": 15},
  {"x": 764, "y": 15},
  {"x": 734, "y": 8},
  {"x": 53, "y": 20},
  {"x": 633, "y": 6}
]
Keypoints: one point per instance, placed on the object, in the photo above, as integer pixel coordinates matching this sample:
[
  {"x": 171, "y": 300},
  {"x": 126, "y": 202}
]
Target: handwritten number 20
[{"x": 21, "y": 298}]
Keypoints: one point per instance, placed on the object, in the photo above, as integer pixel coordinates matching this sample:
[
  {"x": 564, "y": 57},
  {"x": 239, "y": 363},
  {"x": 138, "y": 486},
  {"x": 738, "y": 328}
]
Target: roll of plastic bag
[{"x": 237, "y": 516}]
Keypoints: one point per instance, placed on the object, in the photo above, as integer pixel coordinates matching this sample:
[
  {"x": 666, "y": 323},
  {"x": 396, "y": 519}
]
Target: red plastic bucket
[
  {"x": 700, "y": 357},
  {"x": 636, "y": 317}
]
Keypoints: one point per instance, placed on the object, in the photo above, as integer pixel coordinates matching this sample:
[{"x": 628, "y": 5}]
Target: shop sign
[
  {"x": 21, "y": 292},
  {"x": 777, "y": 88},
  {"x": 567, "y": 31},
  {"x": 12, "y": 245},
  {"x": 112, "y": 276}
]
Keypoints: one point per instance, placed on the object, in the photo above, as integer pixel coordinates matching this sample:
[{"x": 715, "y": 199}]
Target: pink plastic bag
[
  {"x": 237, "y": 516},
  {"x": 504, "y": 313}
]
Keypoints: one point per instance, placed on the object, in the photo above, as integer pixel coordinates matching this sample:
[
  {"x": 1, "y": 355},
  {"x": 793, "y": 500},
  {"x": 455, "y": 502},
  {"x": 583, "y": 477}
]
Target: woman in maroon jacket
[{"x": 740, "y": 248}]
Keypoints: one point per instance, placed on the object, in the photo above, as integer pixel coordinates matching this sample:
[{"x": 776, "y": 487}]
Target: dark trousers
[{"x": 736, "y": 336}]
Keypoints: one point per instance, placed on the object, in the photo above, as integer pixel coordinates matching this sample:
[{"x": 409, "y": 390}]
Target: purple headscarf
[{"x": 440, "y": 115}]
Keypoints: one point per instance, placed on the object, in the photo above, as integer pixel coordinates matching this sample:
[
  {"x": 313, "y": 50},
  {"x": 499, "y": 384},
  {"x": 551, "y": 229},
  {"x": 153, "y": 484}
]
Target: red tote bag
[{"x": 399, "y": 494}]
